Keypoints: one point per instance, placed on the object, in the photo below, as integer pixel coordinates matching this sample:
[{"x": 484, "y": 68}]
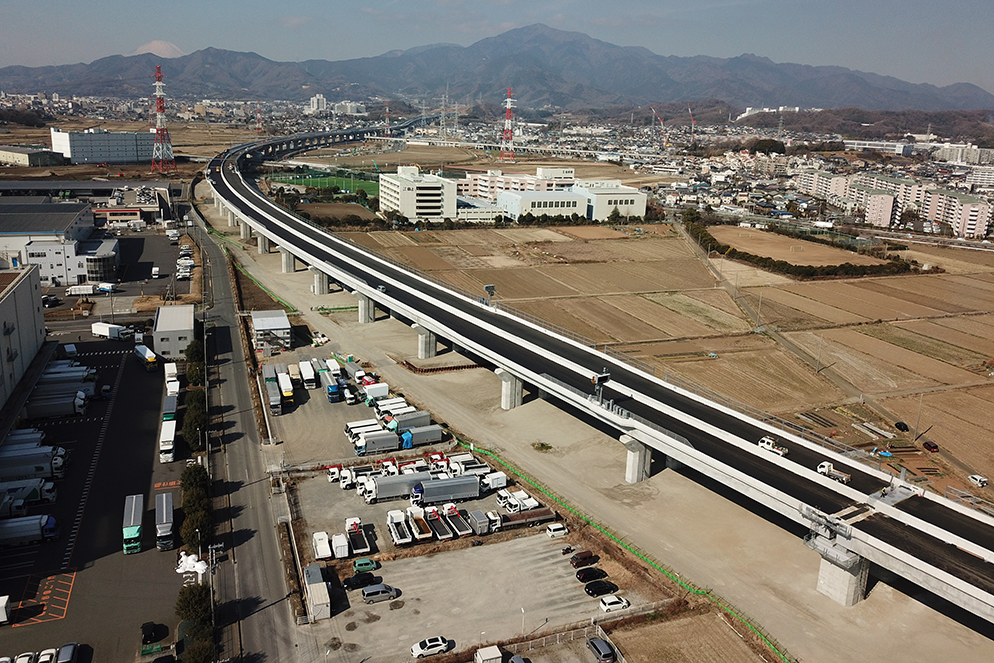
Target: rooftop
[
  {"x": 39, "y": 218},
  {"x": 270, "y": 320},
  {"x": 174, "y": 318}
]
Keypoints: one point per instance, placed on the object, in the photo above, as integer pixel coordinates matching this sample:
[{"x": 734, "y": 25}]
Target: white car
[
  {"x": 436, "y": 645},
  {"x": 556, "y": 530},
  {"x": 613, "y": 602},
  {"x": 26, "y": 657},
  {"x": 48, "y": 656},
  {"x": 977, "y": 480}
]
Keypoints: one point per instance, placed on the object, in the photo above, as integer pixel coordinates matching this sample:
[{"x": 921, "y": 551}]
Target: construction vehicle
[
  {"x": 358, "y": 541},
  {"x": 770, "y": 444},
  {"x": 397, "y": 525},
  {"x": 826, "y": 468}
]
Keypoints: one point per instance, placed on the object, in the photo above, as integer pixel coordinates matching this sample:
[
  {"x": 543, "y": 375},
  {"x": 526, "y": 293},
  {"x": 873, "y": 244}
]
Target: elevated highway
[{"x": 943, "y": 546}]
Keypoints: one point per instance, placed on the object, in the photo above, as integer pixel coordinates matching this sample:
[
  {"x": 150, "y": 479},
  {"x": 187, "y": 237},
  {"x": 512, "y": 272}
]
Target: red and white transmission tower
[
  {"x": 387, "y": 134},
  {"x": 162, "y": 151},
  {"x": 507, "y": 142},
  {"x": 258, "y": 118}
]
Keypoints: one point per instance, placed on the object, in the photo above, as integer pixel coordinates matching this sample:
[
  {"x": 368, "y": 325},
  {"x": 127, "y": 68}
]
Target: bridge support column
[
  {"x": 263, "y": 244},
  {"x": 246, "y": 230},
  {"x": 289, "y": 261},
  {"x": 511, "y": 389},
  {"x": 844, "y": 585},
  {"x": 367, "y": 308},
  {"x": 231, "y": 218},
  {"x": 639, "y": 459},
  {"x": 427, "y": 342},
  {"x": 320, "y": 281}
]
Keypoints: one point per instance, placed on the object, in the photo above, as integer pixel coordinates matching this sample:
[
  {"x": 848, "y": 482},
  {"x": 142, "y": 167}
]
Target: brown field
[
  {"x": 693, "y": 310},
  {"x": 612, "y": 321},
  {"x": 337, "y": 210},
  {"x": 550, "y": 311},
  {"x": 460, "y": 258},
  {"x": 778, "y": 247},
  {"x": 369, "y": 240},
  {"x": 593, "y": 232},
  {"x": 901, "y": 336},
  {"x": 420, "y": 257},
  {"x": 521, "y": 283},
  {"x": 981, "y": 326},
  {"x": 696, "y": 639}
]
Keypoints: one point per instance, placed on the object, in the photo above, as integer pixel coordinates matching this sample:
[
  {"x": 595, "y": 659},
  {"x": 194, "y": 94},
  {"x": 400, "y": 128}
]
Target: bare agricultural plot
[
  {"x": 709, "y": 319},
  {"x": 609, "y": 319},
  {"x": 650, "y": 248},
  {"x": 523, "y": 235},
  {"x": 421, "y": 257},
  {"x": 790, "y": 249},
  {"x": 812, "y": 308},
  {"x": 553, "y": 313},
  {"x": 703, "y": 638},
  {"x": 593, "y": 232},
  {"x": 981, "y": 326},
  {"x": 941, "y": 292},
  {"x": 905, "y": 335},
  {"x": 460, "y": 258},
  {"x": 847, "y": 296},
  {"x": 597, "y": 278},
  {"x": 368, "y": 240},
  {"x": 522, "y": 283},
  {"x": 717, "y": 298},
  {"x": 336, "y": 210}
]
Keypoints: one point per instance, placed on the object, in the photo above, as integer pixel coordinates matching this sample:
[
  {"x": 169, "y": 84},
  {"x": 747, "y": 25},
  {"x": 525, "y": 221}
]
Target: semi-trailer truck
[
  {"x": 379, "y": 488},
  {"x": 379, "y": 406},
  {"x": 286, "y": 387},
  {"x": 58, "y": 389},
  {"x": 167, "y": 441},
  {"x": 56, "y": 406},
  {"x": 25, "y": 436},
  {"x": 414, "y": 437},
  {"x": 375, "y": 442},
  {"x": 22, "y": 469},
  {"x": 67, "y": 375},
  {"x": 456, "y": 489},
  {"x": 275, "y": 398},
  {"x": 11, "y": 507},
  {"x": 27, "y": 530},
  {"x": 401, "y": 422},
  {"x": 293, "y": 370},
  {"x": 146, "y": 357},
  {"x": 164, "y": 538},
  {"x": 307, "y": 375},
  {"x": 31, "y": 491},
  {"x": 113, "y": 332},
  {"x": 131, "y": 530}
]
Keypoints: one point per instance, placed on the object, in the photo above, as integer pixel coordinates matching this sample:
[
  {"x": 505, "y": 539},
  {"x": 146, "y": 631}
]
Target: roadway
[{"x": 574, "y": 365}]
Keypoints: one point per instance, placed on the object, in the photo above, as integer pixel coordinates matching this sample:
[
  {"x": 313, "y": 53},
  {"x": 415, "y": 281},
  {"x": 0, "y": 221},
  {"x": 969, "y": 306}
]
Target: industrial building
[
  {"x": 489, "y": 184},
  {"x": 173, "y": 330},
  {"x": 271, "y": 329},
  {"x": 22, "y": 155},
  {"x": 552, "y": 203},
  {"x": 56, "y": 237},
  {"x": 606, "y": 196},
  {"x": 23, "y": 325},
  {"x": 102, "y": 146}
]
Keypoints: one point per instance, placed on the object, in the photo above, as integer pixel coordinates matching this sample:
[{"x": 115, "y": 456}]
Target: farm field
[
  {"x": 791, "y": 249},
  {"x": 338, "y": 210}
]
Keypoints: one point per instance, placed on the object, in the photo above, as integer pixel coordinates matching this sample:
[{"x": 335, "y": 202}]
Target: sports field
[{"x": 343, "y": 183}]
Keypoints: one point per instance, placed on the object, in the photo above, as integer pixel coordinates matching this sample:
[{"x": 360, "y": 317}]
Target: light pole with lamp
[{"x": 522, "y": 621}]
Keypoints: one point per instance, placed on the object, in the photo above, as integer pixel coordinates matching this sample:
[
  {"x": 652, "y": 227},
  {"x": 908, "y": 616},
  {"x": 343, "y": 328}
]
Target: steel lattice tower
[
  {"x": 507, "y": 142},
  {"x": 162, "y": 152},
  {"x": 258, "y": 118}
]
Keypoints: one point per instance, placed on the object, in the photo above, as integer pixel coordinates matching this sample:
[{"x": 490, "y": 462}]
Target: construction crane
[
  {"x": 666, "y": 141},
  {"x": 377, "y": 167}
]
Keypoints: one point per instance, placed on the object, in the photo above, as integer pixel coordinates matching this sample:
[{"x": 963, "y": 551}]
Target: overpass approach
[{"x": 940, "y": 545}]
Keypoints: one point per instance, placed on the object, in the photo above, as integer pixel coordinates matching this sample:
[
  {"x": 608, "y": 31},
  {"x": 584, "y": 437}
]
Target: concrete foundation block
[
  {"x": 845, "y": 586},
  {"x": 511, "y": 389},
  {"x": 427, "y": 342},
  {"x": 639, "y": 459},
  {"x": 320, "y": 281}
]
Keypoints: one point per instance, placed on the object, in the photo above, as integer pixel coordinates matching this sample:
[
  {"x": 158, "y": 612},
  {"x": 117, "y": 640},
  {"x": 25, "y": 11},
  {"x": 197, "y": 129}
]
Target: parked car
[
  {"x": 602, "y": 651},
  {"x": 359, "y": 580},
  {"x": 26, "y": 657},
  {"x": 68, "y": 653},
  {"x": 901, "y": 426},
  {"x": 430, "y": 646},
  {"x": 556, "y": 530},
  {"x": 48, "y": 656},
  {"x": 377, "y": 593},
  {"x": 977, "y": 480},
  {"x": 930, "y": 446},
  {"x": 600, "y": 588},
  {"x": 583, "y": 558},
  {"x": 613, "y": 602},
  {"x": 590, "y": 573},
  {"x": 364, "y": 565}
]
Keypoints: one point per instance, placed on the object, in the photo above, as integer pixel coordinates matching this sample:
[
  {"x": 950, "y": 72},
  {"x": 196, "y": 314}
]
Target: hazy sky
[{"x": 922, "y": 41}]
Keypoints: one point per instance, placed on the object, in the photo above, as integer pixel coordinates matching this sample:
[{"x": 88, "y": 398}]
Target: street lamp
[
  {"x": 522, "y": 621},
  {"x": 199, "y": 553}
]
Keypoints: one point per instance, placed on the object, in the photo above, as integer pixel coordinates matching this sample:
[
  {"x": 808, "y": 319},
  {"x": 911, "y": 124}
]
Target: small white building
[
  {"x": 271, "y": 328},
  {"x": 173, "y": 330},
  {"x": 605, "y": 196}
]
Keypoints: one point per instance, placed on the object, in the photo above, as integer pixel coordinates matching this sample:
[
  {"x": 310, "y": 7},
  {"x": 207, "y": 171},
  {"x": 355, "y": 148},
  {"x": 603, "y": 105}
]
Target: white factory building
[
  {"x": 173, "y": 330},
  {"x": 55, "y": 237},
  {"x": 551, "y": 191},
  {"x": 23, "y": 326},
  {"x": 419, "y": 197},
  {"x": 102, "y": 146}
]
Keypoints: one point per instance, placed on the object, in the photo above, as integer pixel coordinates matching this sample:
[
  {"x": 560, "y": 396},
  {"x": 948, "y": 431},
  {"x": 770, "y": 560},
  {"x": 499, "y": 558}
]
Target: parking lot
[{"x": 82, "y": 587}]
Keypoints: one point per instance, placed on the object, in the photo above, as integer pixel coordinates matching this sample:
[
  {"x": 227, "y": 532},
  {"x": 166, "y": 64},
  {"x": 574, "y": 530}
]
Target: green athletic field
[{"x": 344, "y": 183}]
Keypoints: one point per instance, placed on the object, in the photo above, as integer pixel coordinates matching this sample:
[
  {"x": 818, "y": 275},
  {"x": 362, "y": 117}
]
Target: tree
[
  {"x": 195, "y": 476},
  {"x": 194, "y": 351},
  {"x": 195, "y": 373},
  {"x": 198, "y": 521},
  {"x": 201, "y": 651},
  {"x": 769, "y": 146},
  {"x": 194, "y": 604},
  {"x": 614, "y": 216},
  {"x": 195, "y": 422},
  {"x": 691, "y": 215}
]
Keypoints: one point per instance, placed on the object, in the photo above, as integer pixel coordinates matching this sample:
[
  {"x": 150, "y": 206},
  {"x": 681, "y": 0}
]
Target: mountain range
[{"x": 546, "y": 67}]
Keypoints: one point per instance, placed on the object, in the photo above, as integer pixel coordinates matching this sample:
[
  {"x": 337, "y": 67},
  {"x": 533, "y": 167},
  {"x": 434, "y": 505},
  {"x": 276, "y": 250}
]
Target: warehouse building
[
  {"x": 22, "y": 155},
  {"x": 552, "y": 203},
  {"x": 173, "y": 330},
  {"x": 606, "y": 196},
  {"x": 23, "y": 325},
  {"x": 271, "y": 330},
  {"x": 102, "y": 146}
]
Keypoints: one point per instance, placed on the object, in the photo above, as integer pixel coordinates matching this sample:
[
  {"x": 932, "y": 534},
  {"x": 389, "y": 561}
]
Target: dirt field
[
  {"x": 791, "y": 249},
  {"x": 693, "y": 639},
  {"x": 338, "y": 210}
]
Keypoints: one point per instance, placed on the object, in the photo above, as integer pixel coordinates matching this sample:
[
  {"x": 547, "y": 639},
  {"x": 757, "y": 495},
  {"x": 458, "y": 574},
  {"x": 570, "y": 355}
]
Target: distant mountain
[{"x": 544, "y": 66}]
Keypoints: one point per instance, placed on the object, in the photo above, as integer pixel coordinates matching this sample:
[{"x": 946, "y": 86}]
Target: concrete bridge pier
[
  {"x": 246, "y": 230},
  {"x": 320, "y": 281},
  {"x": 511, "y": 389},
  {"x": 639, "y": 461},
  {"x": 289, "y": 261},
  {"x": 263, "y": 244},
  {"x": 842, "y": 575},
  {"x": 427, "y": 342},
  {"x": 232, "y": 221},
  {"x": 367, "y": 308}
]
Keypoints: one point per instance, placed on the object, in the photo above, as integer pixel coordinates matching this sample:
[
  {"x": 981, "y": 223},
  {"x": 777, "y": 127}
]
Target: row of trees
[
  {"x": 195, "y": 416},
  {"x": 193, "y": 605}
]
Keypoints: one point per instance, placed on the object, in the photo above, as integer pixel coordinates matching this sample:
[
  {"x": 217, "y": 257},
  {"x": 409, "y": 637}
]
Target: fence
[{"x": 560, "y": 637}]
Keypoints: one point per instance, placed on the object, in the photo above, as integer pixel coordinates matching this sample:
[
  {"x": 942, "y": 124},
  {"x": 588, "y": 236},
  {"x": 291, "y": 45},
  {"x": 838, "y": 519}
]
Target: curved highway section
[{"x": 940, "y": 545}]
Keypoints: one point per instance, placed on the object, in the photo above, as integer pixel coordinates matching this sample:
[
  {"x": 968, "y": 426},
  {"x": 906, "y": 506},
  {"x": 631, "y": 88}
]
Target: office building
[
  {"x": 271, "y": 329},
  {"x": 416, "y": 196},
  {"x": 173, "y": 330}
]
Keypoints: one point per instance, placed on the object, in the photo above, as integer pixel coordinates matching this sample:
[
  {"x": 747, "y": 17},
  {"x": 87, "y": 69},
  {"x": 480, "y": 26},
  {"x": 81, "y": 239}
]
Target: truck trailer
[
  {"x": 58, "y": 389},
  {"x": 22, "y": 469},
  {"x": 146, "y": 357},
  {"x": 25, "y": 436},
  {"x": 27, "y": 530},
  {"x": 56, "y": 406},
  {"x": 414, "y": 437},
  {"x": 275, "y": 398},
  {"x": 402, "y": 422},
  {"x": 375, "y": 392},
  {"x": 375, "y": 442},
  {"x": 456, "y": 489},
  {"x": 379, "y": 488},
  {"x": 307, "y": 375},
  {"x": 527, "y": 518},
  {"x": 11, "y": 507},
  {"x": 79, "y": 290},
  {"x": 31, "y": 491},
  {"x": 293, "y": 370},
  {"x": 67, "y": 375},
  {"x": 167, "y": 441},
  {"x": 131, "y": 530}
]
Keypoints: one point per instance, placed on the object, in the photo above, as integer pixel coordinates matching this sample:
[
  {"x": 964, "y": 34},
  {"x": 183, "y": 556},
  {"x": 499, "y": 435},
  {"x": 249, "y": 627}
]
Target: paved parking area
[{"x": 473, "y": 595}]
